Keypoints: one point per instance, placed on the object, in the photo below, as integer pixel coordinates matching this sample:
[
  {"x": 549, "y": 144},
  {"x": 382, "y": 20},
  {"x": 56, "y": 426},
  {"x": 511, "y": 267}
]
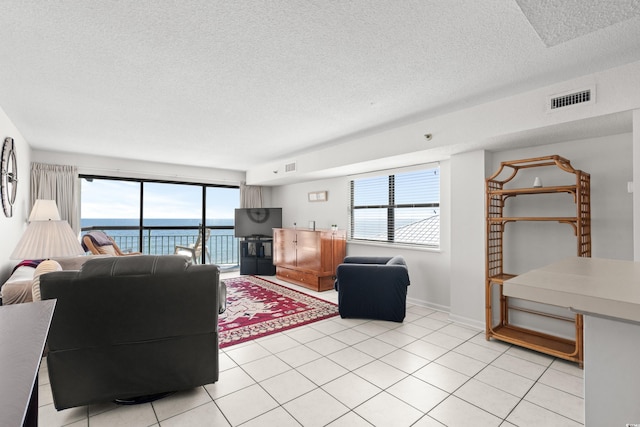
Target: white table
[{"x": 607, "y": 293}]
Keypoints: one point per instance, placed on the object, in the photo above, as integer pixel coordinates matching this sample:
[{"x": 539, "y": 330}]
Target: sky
[{"x": 104, "y": 198}]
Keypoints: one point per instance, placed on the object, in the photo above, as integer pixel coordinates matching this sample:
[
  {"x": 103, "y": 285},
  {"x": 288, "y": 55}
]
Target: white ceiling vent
[
  {"x": 290, "y": 167},
  {"x": 569, "y": 99}
]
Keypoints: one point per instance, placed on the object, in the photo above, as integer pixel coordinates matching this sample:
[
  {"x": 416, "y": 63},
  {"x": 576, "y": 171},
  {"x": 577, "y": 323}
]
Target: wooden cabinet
[
  {"x": 498, "y": 196},
  {"x": 308, "y": 257}
]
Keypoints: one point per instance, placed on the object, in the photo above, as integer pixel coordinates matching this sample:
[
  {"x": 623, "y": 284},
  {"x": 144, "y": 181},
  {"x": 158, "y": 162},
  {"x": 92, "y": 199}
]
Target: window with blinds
[{"x": 399, "y": 208}]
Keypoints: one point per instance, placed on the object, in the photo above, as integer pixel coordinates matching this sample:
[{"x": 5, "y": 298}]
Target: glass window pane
[
  {"x": 171, "y": 204},
  {"x": 417, "y": 187},
  {"x": 371, "y": 191},
  {"x": 370, "y": 224},
  {"x": 415, "y": 208},
  {"x": 113, "y": 207},
  {"x": 417, "y": 226},
  {"x": 172, "y": 217},
  {"x": 222, "y": 246},
  {"x": 106, "y": 198}
]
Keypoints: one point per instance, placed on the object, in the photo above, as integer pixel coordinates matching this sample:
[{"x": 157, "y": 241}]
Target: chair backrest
[
  {"x": 98, "y": 243},
  {"x": 200, "y": 243}
]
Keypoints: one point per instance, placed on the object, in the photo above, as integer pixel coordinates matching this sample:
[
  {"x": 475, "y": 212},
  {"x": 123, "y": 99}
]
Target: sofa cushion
[
  {"x": 17, "y": 288},
  {"x": 75, "y": 262}
]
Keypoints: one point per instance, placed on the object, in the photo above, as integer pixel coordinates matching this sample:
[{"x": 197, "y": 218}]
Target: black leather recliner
[
  {"x": 125, "y": 327},
  {"x": 372, "y": 288}
]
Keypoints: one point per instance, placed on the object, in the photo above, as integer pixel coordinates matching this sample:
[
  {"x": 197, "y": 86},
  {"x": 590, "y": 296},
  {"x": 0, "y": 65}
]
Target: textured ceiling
[{"x": 234, "y": 84}]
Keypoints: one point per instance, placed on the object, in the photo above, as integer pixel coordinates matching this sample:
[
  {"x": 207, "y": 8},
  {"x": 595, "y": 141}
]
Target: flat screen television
[{"x": 257, "y": 222}]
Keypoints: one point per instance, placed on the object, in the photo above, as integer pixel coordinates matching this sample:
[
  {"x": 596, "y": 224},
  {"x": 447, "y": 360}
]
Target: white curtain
[
  {"x": 250, "y": 196},
  {"x": 59, "y": 183}
]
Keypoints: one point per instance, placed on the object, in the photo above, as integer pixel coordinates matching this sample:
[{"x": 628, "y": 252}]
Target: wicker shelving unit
[{"x": 496, "y": 198}]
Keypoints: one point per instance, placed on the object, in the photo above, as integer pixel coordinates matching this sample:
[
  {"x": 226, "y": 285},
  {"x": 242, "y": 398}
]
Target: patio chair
[
  {"x": 194, "y": 250},
  {"x": 98, "y": 243}
]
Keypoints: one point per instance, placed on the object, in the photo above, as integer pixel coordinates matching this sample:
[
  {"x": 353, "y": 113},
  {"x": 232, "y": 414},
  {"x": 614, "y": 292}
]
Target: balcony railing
[{"x": 222, "y": 247}]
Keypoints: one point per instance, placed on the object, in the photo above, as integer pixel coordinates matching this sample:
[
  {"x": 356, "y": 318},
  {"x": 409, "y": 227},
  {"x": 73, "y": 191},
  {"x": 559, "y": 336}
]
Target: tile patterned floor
[{"x": 424, "y": 372}]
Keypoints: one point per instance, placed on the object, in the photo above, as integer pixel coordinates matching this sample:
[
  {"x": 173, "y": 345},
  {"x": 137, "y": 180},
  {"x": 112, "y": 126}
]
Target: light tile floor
[{"x": 427, "y": 371}]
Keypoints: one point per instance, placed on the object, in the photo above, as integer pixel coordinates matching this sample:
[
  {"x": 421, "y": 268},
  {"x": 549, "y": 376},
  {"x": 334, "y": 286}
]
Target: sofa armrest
[
  {"x": 368, "y": 278},
  {"x": 17, "y": 288},
  {"x": 372, "y": 291}
]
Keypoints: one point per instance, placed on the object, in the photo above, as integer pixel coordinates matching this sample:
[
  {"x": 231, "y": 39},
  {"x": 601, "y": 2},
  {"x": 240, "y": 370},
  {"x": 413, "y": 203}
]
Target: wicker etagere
[{"x": 497, "y": 195}]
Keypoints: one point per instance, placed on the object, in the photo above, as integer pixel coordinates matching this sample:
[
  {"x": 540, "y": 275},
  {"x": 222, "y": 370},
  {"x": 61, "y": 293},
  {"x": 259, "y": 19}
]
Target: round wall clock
[{"x": 9, "y": 183}]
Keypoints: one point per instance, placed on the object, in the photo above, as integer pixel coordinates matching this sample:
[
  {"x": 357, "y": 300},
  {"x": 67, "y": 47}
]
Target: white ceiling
[{"x": 232, "y": 84}]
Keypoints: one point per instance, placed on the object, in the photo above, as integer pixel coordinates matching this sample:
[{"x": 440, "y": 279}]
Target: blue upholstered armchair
[{"x": 372, "y": 288}]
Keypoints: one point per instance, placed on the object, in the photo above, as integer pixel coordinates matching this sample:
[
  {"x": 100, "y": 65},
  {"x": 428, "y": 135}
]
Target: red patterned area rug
[{"x": 257, "y": 307}]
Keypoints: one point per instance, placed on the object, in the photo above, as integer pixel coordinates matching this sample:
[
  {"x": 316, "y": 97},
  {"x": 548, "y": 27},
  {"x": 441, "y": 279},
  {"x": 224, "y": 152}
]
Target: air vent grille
[
  {"x": 585, "y": 96},
  {"x": 290, "y": 167}
]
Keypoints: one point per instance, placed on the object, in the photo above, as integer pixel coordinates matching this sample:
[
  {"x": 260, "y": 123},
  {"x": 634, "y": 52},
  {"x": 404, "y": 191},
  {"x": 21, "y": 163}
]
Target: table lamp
[
  {"x": 44, "y": 210},
  {"x": 47, "y": 236}
]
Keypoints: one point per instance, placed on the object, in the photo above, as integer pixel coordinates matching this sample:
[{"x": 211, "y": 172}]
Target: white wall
[
  {"x": 501, "y": 123},
  {"x": 297, "y": 208},
  {"x": 609, "y": 161},
  {"x": 636, "y": 184},
  {"x": 11, "y": 229},
  {"x": 123, "y": 168},
  {"x": 467, "y": 237},
  {"x": 428, "y": 269},
  {"x": 529, "y": 245},
  {"x": 452, "y": 279}
]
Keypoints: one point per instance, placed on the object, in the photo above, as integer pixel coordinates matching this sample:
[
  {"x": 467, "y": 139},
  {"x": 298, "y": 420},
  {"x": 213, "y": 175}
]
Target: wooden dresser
[{"x": 308, "y": 258}]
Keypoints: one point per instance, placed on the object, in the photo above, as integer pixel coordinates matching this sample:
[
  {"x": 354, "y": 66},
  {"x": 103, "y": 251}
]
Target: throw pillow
[{"x": 45, "y": 267}]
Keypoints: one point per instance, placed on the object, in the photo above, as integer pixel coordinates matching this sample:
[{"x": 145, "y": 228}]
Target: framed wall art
[{"x": 318, "y": 196}]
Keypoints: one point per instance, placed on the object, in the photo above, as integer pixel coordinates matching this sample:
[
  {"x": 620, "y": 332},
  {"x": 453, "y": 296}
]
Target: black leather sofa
[
  {"x": 372, "y": 288},
  {"x": 126, "y": 327}
]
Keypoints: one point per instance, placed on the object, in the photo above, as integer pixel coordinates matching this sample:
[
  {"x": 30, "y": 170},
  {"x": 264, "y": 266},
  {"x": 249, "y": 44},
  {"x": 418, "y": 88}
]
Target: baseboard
[
  {"x": 472, "y": 323},
  {"x": 421, "y": 303}
]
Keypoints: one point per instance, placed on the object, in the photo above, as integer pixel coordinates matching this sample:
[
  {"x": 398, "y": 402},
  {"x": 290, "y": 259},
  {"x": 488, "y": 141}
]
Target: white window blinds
[{"x": 401, "y": 208}]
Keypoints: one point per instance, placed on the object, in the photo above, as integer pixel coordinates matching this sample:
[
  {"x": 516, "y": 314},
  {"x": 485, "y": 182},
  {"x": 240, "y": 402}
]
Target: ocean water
[{"x": 222, "y": 245}]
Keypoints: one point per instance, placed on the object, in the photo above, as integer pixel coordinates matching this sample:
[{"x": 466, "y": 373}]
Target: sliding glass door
[
  {"x": 171, "y": 218},
  {"x": 158, "y": 217},
  {"x": 221, "y": 204},
  {"x": 113, "y": 207}
]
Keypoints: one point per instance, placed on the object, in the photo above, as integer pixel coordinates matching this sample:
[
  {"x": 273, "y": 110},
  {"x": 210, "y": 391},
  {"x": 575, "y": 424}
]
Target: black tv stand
[{"x": 256, "y": 256}]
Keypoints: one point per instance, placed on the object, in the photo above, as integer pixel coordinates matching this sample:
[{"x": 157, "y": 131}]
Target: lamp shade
[
  {"x": 47, "y": 239},
  {"x": 44, "y": 210}
]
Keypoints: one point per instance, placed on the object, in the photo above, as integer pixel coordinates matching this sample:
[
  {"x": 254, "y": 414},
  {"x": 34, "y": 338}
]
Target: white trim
[
  {"x": 395, "y": 171},
  {"x": 472, "y": 323},
  {"x": 415, "y": 247},
  {"x": 426, "y": 304}
]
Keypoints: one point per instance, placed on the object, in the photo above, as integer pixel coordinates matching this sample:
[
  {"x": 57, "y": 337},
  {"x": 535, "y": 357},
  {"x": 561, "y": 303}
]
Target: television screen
[{"x": 257, "y": 222}]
